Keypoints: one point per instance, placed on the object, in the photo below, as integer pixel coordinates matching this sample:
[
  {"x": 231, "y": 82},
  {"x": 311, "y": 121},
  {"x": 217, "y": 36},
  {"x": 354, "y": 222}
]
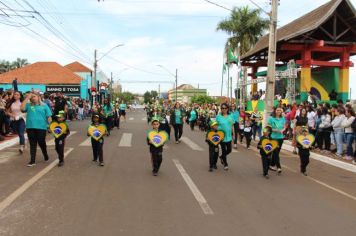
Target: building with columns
[{"x": 321, "y": 43}]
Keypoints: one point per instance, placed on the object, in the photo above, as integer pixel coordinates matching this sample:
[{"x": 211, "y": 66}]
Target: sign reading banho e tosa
[{"x": 71, "y": 89}]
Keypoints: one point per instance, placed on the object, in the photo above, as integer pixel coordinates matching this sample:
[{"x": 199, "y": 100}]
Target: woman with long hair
[
  {"x": 277, "y": 123},
  {"x": 108, "y": 110},
  {"x": 339, "y": 130},
  {"x": 37, "y": 119},
  {"x": 226, "y": 124},
  {"x": 17, "y": 117}
]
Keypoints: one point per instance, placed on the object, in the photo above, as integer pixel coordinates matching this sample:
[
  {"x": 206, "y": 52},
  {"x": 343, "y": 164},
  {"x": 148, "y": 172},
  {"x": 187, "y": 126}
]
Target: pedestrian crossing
[{"x": 125, "y": 141}]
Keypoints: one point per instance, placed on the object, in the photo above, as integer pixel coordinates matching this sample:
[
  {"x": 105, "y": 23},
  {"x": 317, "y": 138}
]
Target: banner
[{"x": 67, "y": 89}]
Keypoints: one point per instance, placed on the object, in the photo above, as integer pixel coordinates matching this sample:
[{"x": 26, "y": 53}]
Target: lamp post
[
  {"x": 96, "y": 60},
  {"x": 176, "y": 80}
]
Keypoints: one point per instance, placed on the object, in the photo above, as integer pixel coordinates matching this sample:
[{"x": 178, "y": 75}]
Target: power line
[
  {"x": 259, "y": 7},
  {"x": 218, "y": 5}
]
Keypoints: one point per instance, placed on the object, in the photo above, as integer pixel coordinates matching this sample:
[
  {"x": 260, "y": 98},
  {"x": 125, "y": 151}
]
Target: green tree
[
  {"x": 245, "y": 26},
  {"x": 147, "y": 97},
  {"x": 19, "y": 63},
  {"x": 202, "y": 99}
]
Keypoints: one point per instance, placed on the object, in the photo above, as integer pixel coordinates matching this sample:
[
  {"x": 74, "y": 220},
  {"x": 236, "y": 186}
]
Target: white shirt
[{"x": 311, "y": 119}]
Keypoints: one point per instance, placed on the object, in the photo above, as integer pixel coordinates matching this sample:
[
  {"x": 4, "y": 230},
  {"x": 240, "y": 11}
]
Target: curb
[{"x": 325, "y": 159}]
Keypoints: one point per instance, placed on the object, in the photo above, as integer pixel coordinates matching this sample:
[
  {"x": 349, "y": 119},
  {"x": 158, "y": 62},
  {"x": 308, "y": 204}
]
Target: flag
[{"x": 232, "y": 57}]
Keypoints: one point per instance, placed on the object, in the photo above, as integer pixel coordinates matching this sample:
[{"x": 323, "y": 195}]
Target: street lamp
[
  {"x": 175, "y": 76},
  {"x": 93, "y": 83}
]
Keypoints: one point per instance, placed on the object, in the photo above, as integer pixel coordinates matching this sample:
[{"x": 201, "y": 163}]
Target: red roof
[
  {"x": 77, "y": 67},
  {"x": 41, "y": 73}
]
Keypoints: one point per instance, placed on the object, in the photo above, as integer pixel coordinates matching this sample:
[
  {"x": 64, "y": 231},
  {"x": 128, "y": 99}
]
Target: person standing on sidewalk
[
  {"x": 226, "y": 124},
  {"x": 339, "y": 130},
  {"x": 277, "y": 123},
  {"x": 177, "y": 115},
  {"x": 256, "y": 118},
  {"x": 349, "y": 133},
  {"x": 37, "y": 119},
  {"x": 17, "y": 117}
]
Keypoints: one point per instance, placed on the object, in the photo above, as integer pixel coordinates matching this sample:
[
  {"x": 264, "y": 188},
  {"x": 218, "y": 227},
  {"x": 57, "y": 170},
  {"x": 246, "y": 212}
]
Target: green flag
[{"x": 232, "y": 57}]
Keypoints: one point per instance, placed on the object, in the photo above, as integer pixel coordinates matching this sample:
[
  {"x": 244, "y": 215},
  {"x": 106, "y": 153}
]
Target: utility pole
[
  {"x": 176, "y": 84},
  {"x": 238, "y": 74},
  {"x": 93, "y": 80},
  {"x": 271, "y": 64},
  {"x": 228, "y": 80}
]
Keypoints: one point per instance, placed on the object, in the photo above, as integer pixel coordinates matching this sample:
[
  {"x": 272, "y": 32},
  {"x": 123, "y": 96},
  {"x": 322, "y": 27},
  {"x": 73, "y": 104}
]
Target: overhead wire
[
  {"x": 32, "y": 32},
  {"x": 42, "y": 20}
]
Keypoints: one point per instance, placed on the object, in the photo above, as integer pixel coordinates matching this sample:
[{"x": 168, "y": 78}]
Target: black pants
[
  {"x": 192, "y": 124},
  {"x": 275, "y": 155},
  {"x": 323, "y": 138},
  {"x": 236, "y": 132},
  {"x": 60, "y": 148},
  {"x": 225, "y": 150},
  {"x": 248, "y": 138},
  {"x": 156, "y": 158},
  {"x": 108, "y": 123},
  {"x": 266, "y": 160},
  {"x": 2, "y": 121},
  {"x": 37, "y": 136},
  {"x": 213, "y": 155},
  {"x": 304, "y": 161},
  {"x": 241, "y": 134},
  {"x": 178, "y": 131},
  {"x": 97, "y": 147}
]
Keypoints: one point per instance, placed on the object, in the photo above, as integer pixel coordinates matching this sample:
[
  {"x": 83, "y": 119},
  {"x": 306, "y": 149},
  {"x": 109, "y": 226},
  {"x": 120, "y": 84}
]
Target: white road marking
[
  {"x": 197, "y": 194},
  {"x": 131, "y": 118},
  {"x": 51, "y": 142},
  {"x": 332, "y": 188},
  {"x": 18, "y": 192},
  {"x": 87, "y": 142},
  {"x": 234, "y": 150},
  {"x": 10, "y": 142},
  {"x": 125, "y": 140},
  {"x": 191, "y": 144},
  {"x": 144, "y": 118}
]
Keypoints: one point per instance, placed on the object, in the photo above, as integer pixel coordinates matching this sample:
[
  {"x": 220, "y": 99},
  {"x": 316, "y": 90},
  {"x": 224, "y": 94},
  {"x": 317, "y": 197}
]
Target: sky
[{"x": 176, "y": 34}]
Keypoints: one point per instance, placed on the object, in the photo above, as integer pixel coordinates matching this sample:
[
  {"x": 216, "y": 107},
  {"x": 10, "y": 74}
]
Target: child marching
[
  {"x": 60, "y": 131},
  {"x": 304, "y": 143},
  {"x": 266, "y": 148},
  {"x": 96, "y": 131},
  {"x": 156, "y": 139},
  {"x": 214, "y": 138}
]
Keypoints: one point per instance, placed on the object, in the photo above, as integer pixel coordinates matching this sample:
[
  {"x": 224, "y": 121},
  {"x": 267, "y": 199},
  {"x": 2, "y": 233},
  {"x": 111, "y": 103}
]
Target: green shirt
[
  {"x": 277, "y": 123},
  {"x": 178, "y": 114},
  {"x": 123, "y": 106},
  {"x": 37, "y": 116},
  {"x": 108, "y": 110},
  {"x": 225, "y": 125}
]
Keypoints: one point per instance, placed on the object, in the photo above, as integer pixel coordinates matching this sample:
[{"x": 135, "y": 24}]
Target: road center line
[
  {"x": 87, "y": 142},
  {"x": 18, "y": 192},
  {"x": 197, "y": 194},
  {"x": 125, "y": 140},
  {"x": 191, "y": 144}
]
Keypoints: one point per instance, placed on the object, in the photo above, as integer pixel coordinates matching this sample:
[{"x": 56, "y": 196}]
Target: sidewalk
[{"x": 326, "y": 158}]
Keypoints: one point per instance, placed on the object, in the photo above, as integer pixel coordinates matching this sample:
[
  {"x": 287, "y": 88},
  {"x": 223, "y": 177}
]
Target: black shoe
[
  {"x": 61, "y": 163},
  {"x": 30, "y": 164},
  {"x": 46, "y": 159},
  {"x": 210, "y": 169}
]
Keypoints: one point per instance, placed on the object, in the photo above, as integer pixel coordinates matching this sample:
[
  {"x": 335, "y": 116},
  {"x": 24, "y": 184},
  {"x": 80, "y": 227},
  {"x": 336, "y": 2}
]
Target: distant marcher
[{"x": 14, "y": 85}]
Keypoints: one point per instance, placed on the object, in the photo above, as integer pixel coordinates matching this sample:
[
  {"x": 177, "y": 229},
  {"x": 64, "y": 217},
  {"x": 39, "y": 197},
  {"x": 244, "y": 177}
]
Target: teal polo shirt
[
  {"x": 178, "y": 114},
  {"x": 37, "y": 116},
  {"x": 277, "y": 123},
  {"x": 225, "y": 125}
]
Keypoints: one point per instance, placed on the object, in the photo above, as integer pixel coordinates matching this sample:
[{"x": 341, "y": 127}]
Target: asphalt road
[{"x": 123, "y": 198}]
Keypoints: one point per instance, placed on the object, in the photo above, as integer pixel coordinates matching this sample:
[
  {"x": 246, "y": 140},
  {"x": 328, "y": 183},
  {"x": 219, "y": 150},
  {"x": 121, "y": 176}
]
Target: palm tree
[
  {"x": 245, "y": 26},
  {"x": 5, "y": 66},
  {"x": 19, "y": 63}
]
